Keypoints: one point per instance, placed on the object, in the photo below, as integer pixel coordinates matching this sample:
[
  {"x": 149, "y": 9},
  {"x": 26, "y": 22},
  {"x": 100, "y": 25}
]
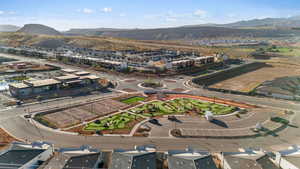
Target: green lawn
[
  {"x": 181, "y": 106},
  {"x": 132, "y": 100},
  {"x": 118, "y": 121}
]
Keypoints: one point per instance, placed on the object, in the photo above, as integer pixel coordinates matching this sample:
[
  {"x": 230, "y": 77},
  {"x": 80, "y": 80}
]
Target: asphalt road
[{"x": 11, "y": 121}]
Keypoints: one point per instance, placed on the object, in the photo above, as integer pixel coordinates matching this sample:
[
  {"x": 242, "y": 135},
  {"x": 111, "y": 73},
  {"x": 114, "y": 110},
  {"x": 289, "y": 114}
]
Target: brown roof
[
  {"x": 45, "y": 82},
  {"x": 19, "y": 85},
  {"x": 67, "y": 77},
  {"x": 92, "y": 77}
]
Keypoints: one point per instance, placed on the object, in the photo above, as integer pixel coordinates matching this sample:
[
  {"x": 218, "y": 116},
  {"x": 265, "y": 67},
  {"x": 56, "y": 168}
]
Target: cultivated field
[{"x": 249, "y": 81}]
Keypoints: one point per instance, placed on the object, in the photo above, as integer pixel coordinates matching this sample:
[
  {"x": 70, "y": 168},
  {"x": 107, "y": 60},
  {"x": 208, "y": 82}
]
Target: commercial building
[{"x": 57, "y": 85}]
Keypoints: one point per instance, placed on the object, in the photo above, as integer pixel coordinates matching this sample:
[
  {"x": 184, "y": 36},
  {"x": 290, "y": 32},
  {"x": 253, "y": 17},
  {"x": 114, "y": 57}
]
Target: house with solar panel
[
  {"x": 83, "y": 157},
  {"x": 141, "y": 157},
  {"x": 190, "y": 159},
  {"x": 26, "y": 156}
]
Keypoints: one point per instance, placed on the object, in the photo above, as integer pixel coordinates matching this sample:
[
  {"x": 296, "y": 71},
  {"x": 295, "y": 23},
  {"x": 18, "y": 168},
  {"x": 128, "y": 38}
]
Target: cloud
[
  {"x": 1, "y": 12},
  {"x": 106, "y": 10},
  {"x": 122, "y": 14},
  {"x": 86, "y": 10},
  {"x": 200, "y": 13}
]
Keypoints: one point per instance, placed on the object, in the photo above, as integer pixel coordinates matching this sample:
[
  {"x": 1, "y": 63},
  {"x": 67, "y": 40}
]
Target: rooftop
[
  {"x": 46, "y": 82},
  {"x": 17, "y": 158},
  {"x": 67, "y": 77},
  {"x": 19, "y": 85},
  {"x": 69, "y": 70},
  {"x": 294, "y": 160},
  {"x": 92, "y": 77},
  {"x": 82, "y": 73}
]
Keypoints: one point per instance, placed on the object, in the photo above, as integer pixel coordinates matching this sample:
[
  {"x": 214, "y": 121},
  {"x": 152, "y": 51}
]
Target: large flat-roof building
[{"x": 69, "y": 82}]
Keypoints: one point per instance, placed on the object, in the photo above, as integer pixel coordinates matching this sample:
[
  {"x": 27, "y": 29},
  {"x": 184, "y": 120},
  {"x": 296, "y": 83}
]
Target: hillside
[
  {"x": 93, "y": 42},
  {"x": 194, "y": 33},
  {"x": 187, "y": 33},
  {"x": 90, "y": 32},
  {"x": 268, "y": 22},
  {"x": 9, "y": 28},
  {"x": 38, "y": 29}
]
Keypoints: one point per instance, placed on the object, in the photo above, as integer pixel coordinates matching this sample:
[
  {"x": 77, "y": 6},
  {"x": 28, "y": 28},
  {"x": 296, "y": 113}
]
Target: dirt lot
[
  {"x": 5, "y": 139},
  {"x": 73, "y": 116},
  {"x": 248, "y": 81}
]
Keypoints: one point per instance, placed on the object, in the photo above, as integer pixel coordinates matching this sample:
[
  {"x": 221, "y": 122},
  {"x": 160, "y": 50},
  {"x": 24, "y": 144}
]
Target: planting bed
[
  {"x": 118, "y": 121},
  {"x": 133, "y": 100},
  {"x": 181, "y": 106}
]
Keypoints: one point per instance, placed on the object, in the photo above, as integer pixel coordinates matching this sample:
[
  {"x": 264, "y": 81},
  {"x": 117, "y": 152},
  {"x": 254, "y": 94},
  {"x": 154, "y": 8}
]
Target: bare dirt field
[
  {"x": 249, "y": 81},
  {"x": 5, "y": 139},
  {"x": 76, "y": 115}
]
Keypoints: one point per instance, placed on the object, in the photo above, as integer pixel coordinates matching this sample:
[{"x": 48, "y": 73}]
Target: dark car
[{"x": 154, "y": 121}]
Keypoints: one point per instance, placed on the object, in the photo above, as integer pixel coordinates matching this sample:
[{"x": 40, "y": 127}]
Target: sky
[{"x": 66, "y": 14}]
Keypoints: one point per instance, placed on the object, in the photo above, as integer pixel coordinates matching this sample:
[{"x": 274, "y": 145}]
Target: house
[
  {"x": 288, "y": 159},
  {"x": 83, "y": 157},
  {"x": 141, "y": 157},
  {"x": 26, "y": 156},
  {"x": 190, "y": 159},
  {"x": 247, "y": 159}
]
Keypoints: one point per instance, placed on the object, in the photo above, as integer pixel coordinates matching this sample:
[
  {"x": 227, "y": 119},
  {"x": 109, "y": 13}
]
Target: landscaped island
[{"x": 181, "y": 106}]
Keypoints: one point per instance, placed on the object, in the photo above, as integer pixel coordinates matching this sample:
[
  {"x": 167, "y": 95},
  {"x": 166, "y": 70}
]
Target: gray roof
[
  {"x": 191, "y": 162},
  {"x": 87, "y": 161},
  {"x": 258, "y": 162},
  {"x": 138, "y": 160},
  {"x": 294, "y": 160},
  {"x": 74, "y": 161},
  {"x": 17, "y": 158}
]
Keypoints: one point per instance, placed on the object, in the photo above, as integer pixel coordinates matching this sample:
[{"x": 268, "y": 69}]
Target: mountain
[
  {"x": 199, "y": 32},
  {"x": 9, "y": 28},
  {"x": 268, "y": 22},
  {"x": 38, "y": 29},
  {"x": 91, "y": 31}
]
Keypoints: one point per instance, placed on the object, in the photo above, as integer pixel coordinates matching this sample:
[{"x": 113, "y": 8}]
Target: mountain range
[{"x": 267, "y": 27}]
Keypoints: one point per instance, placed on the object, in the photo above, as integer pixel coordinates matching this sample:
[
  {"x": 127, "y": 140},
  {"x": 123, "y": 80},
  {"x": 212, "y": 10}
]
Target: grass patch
[
  {"x": 118, "y": 121},
  {"x": 181, "y": 106},
  {"x": 133, "y": 100},
  {"x": 40, "y": 119}
]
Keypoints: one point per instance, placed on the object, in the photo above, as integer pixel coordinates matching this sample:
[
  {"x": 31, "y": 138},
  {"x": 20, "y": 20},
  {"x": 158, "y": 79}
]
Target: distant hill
[
  {"x": 38, "y": 29},
  {"x": 8, "y": 28},
  {"x": 91, "y": 32},
  {"x": 268, "y": 22},
  {"x": 198, "y": 32},
  {"x": 268, "y": 27}
]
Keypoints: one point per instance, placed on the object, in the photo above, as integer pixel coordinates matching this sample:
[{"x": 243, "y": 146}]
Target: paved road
[{"x": 12, "y": 121}]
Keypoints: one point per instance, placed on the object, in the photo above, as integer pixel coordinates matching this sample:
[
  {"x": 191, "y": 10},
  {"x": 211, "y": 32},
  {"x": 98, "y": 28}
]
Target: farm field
[
  {"x": 249, "y": 81},
  {"x": 119, "y": 121},
  {"x": 181, "y": 106}
]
